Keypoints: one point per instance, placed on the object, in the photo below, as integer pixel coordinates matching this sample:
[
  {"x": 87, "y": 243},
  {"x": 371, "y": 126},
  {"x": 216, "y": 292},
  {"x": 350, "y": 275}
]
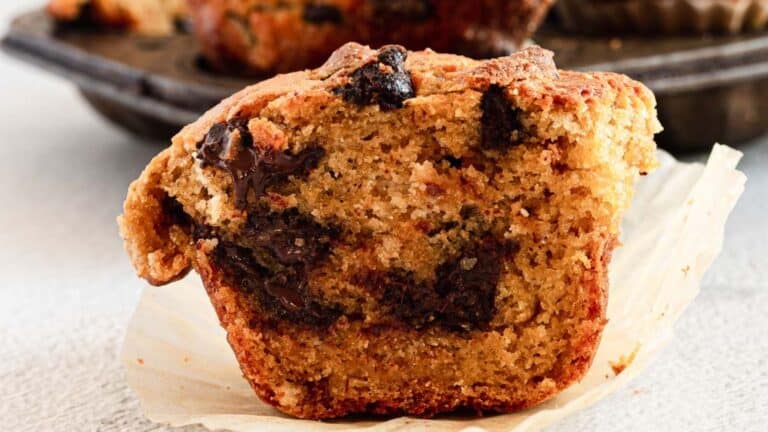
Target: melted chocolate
[
  {"x": 385, "y": 81},
  {"x": 271, "y": 261},
  {"x": 321, "y": 14},
  {"x": 173, "y": 213},
  {"x": 500, "y": 119},
  {"x": 229, "y": 146},
  {"x": 461, "y": 298}
]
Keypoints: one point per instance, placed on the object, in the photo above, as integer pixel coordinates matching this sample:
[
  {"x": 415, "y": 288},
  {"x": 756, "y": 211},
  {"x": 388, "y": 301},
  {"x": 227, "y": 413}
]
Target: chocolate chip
[
  {"x": 413, "y": 11},
  {"x": 289, "y": 236},
  {"x": 271, "y": 261},
  {"x": 321, "y": 14},
  {"x": 500, "y": 120},
  {"x": 84, "y": 20},
  {"x": 461, "y": 298},
  {"x": 173, "y": 214},
  {"x": 384, "y": 81},
  {"x": 467, "y": 211},
  {"x": 468, "y": 283},
  {"x": 229, "y": 146}
]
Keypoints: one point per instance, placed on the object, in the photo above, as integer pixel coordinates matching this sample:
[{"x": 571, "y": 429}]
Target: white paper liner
[{"x": 179, "y": 364}]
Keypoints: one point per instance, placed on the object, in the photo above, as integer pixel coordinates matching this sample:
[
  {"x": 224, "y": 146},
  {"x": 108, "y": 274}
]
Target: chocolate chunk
[
  {"x": 499, "y": 121},
  {"x": 468, "y": 211},
  {"x": 461, "y": 298},
  {"x": 291, "y": 238},
  {"x": 468, "y": 284},
  {"x": 173, "y": 214},
  {"x": 413, "y": 11},
  {"x": 321, "y": 14},
  {"x": 271, "y": 261},
  {"x": 384, "y": 81},
  {"x": 229, "y": 146},
  {"x": 84, "y": 20}
]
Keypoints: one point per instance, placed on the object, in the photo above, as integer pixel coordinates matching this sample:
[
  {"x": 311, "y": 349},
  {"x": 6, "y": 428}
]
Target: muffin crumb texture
[{"x": 402, "y": 232}]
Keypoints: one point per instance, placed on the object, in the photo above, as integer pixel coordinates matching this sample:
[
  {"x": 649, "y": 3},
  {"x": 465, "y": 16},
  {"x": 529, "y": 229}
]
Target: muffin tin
[{"x": 710, "y": 89}]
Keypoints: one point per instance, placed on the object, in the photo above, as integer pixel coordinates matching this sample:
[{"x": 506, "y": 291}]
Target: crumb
[{"x": 624, "y": 361}]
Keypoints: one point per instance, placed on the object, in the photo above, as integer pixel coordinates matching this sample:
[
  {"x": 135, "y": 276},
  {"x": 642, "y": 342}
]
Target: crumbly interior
[{"x": 450, "y": 248}]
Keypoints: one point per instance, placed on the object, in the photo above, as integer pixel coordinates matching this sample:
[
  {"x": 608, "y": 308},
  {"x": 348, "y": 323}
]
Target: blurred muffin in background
[
  {"x": 663, "y": 16},
  {"x": 149, "y": 17},
  {"x": 268, "y": 36}
]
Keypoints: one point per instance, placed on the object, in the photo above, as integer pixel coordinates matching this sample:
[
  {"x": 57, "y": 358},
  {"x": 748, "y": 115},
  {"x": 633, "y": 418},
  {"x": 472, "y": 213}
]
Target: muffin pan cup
[{"x": 709, "y": 89}]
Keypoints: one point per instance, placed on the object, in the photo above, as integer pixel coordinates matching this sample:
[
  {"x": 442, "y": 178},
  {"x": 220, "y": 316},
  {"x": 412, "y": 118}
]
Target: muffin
[
  {"x": 150, "y": 17},
  {"x": 402, "y": 232},
  {"x": 663, "y": 16},
  {"x": 265, "y": 36}
]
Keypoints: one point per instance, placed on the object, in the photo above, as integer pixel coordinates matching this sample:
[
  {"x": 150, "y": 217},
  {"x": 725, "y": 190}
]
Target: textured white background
[{"x": 67, "y": 291}]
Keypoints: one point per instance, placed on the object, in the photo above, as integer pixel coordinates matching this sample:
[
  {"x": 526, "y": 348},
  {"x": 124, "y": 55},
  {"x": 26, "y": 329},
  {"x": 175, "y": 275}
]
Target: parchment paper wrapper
[{"x": 179, "y": 364}]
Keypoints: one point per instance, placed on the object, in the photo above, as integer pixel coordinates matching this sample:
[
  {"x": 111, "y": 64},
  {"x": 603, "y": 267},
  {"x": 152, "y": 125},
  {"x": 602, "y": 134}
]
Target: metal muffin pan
[{"x": 709, "y": 89}]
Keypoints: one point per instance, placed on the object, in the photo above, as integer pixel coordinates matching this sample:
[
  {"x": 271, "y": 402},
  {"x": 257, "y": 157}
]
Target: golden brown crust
[{"x": 498, "y": 185}]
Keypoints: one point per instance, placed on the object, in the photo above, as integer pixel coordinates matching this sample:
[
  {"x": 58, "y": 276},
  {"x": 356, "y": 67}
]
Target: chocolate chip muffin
[
  {"x": 263, "y": 36},
  {"x": 150, "y": 17},
  {"x": 651, "y": 17},
  {"x": 402, "y": 232}
]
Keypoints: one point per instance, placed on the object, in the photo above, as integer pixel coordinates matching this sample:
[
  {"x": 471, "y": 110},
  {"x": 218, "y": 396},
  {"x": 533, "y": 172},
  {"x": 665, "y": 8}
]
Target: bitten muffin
[
  {"x": 663, "y": 16},
  {"x": 402, "y": 232},
  {"x": 263, "y": 36},
  {"x": 150, "y": 17}
]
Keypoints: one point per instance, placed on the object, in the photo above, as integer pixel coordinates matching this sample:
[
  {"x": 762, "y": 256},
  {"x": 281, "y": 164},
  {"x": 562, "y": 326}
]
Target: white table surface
[{"x": 67, "y": 290}]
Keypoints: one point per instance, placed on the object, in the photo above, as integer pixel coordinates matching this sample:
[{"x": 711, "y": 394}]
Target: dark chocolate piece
[
  {"x": 271, "y": 261},
  {"x": 85, "y": 20},
  {"x": 384, "y": 81},
  {"x": 468, "y": 284},
  {"x": 462, "y": 297},
  {"x": 413, "y": 11},
  {"x": 174, "y": 214},
  {"x": 229, "y": 146},
  {"x": 290, "y": 237},
  {"x": 322, "y": 14},
  {"x": 500, "y": 119},
  {"x": 468, "y": 211}
]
